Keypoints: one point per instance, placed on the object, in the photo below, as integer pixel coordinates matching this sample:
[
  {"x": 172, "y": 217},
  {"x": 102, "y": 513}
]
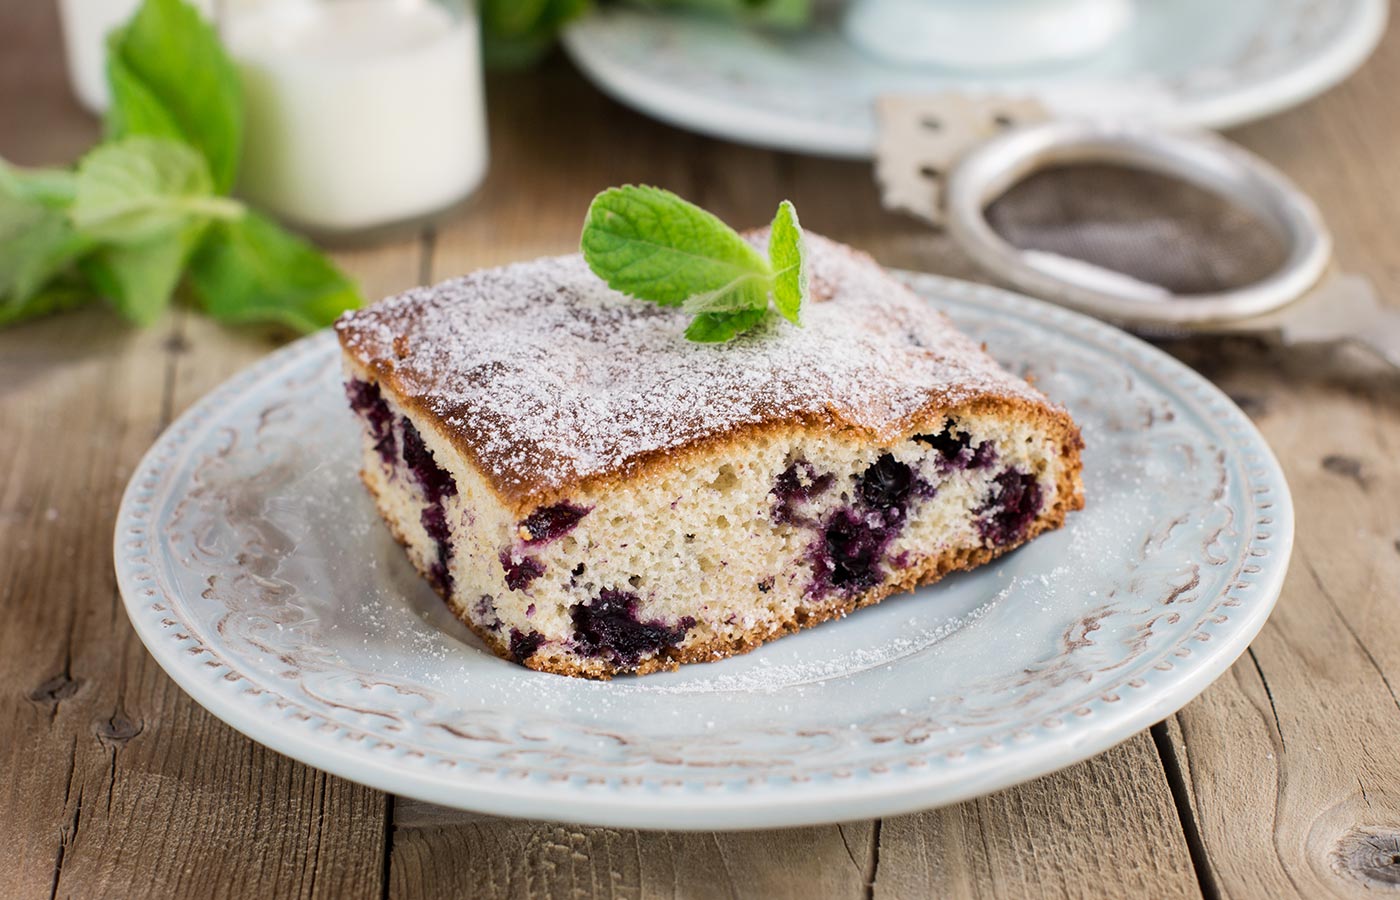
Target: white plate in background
[{"x": 1181, "y": 63}]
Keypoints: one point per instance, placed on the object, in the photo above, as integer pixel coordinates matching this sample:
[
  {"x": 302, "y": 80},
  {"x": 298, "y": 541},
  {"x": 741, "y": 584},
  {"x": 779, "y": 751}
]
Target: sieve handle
[
  {"x": 1382, "y": 336},
  {"x": 1344, "y": 309}
]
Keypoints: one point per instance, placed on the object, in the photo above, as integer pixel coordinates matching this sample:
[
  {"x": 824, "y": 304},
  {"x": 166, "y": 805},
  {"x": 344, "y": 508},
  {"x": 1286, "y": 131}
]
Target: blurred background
[{"x": 358, "y": 122}]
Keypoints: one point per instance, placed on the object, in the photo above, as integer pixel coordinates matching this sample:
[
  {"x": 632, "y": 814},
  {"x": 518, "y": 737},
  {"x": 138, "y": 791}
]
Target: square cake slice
[{"x": 594, "y": 495}]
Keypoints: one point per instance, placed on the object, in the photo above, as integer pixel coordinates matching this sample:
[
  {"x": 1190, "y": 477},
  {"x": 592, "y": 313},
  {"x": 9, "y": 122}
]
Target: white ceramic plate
[
  {"x": 1197, "y": 63},
  {"x": 255, "y": 569}
]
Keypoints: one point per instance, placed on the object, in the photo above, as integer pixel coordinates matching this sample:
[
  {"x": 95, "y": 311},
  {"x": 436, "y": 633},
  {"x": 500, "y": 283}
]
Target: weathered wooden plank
[
  {"x": 81, "y": 402},
  {"x": 120, "y": 785},
  {"x": 440, "y": 854},
  {"x": 1103, "y": 828}
]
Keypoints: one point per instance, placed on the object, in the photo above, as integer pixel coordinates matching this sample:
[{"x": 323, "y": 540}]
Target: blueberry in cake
[{"x": 594, "y": 495}]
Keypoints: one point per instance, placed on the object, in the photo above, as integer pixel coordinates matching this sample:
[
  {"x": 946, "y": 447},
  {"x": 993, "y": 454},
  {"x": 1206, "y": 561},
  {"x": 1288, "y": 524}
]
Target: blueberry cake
[{"x": 594, "y": 495}]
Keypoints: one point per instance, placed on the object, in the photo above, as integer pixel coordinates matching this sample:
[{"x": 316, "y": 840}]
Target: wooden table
[{"x": 1282, "y": 780}]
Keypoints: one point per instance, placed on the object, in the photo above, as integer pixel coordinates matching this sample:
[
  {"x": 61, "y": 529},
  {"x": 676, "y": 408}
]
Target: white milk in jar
[{"x": 360, "y": 113}]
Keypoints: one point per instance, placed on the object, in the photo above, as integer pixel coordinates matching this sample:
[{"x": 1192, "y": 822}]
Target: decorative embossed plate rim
[
  {"x": 521, "y": 763},
  {"x": 817, "y": 95}
]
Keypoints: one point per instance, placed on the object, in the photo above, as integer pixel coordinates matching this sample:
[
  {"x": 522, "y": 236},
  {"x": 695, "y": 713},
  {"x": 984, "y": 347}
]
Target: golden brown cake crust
[{"x": 550, "y": 383}]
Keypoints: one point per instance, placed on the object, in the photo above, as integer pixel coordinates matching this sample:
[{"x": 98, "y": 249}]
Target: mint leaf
[
  {"x": 37, "y": 247},
  {"x": 135, "y": 108},
  {"x": 51, "y": 187},
  {"x": 171, "y": 78},
  {"x": 137, "y": 189},
  {"x": 140, "y": 279},
  {"x": 148, "y": 202},
  {"x": 514, "y": 18},
  {"x": 777, "y": 13},
  {"x": 745, "y": 292},
  {"x": 32, "y": 257},
  {"x": 57, "y": 296},
  {"x": 36, "y": 240},
  {"x": 716, "y": 328},
  {"x": 250, "y": 270},
  {"x": 516, "y": 33},
  {"x": 651, "y": 244},
  {"x": 787, "y": 255}
]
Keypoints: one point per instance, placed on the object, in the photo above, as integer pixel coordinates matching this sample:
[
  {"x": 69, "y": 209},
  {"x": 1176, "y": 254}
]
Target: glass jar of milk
[{"x": 361, "y": 114}]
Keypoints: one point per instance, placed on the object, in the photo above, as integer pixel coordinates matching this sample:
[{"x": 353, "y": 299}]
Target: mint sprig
[
  {"x": 170, "y": 78},
  {"x": 137, "y": 189},
  {"x": 648, "y": 243},
  {"x": 147, "y": 210},
  {"x": 249, "y": 270}
]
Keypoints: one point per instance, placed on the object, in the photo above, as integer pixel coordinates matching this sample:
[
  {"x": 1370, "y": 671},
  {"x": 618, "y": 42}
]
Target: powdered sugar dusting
[
  {"x": 544, "y": 376},
  {"x": 767, "y": 677}
]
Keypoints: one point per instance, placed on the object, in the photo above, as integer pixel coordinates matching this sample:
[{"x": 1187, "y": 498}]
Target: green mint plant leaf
[
  {"x": 171, "y": 78},
  {"x": 648, "y": 243},
  {"x": 64, "y": 293},
  {"x": 140, "y": 279},
  {"x": 135, "y": 108},
  {"x": 516, "y": 33},
  {"x": 788, "y": 257},
  {"x": 250, "y": 270},
  {"x": 774, "y": 13},
  {"x": 778, "y": 13},
  {"x": 716, "y": 328},
  {"x": 513, "y": 17},
  {"x": 134, "y": 190},
  {"x": 53, "y": 188},
  {"x": 33, "y": 257},
  {"x": 746, "y": 292},
  {"x": 36, "y": 241}
]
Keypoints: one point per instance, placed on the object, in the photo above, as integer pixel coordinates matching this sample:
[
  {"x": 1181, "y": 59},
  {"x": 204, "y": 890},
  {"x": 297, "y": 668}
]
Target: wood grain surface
[{"x": 1282, "y": 780}]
